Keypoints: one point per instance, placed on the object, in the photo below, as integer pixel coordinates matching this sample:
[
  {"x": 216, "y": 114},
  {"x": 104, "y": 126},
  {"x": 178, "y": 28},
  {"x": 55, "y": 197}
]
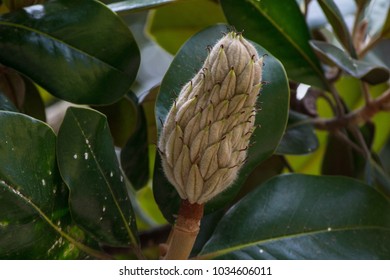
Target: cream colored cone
[{"x": 206, "y": 134}]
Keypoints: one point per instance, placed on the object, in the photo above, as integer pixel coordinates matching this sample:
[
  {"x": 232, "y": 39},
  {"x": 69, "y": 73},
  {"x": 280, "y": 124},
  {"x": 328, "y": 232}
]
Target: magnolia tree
[{"x": 267, "y": 137}]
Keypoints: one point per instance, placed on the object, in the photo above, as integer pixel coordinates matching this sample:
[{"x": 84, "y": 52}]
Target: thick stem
[
  {"x": 382, "y": 103},
  {"x": 184, "y": 232}
]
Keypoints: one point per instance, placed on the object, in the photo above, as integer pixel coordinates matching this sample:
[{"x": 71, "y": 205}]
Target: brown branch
[
  {"x": 366, "y": 93},
  {"x": 339, "y": 103},
  {"x": 362, "y": 115},
  {"x": 359, "y": 137},
  {"x": 340, "y": 134},
  {"x": 370, "y": 45},
  {"x": 184, "y": 232}
]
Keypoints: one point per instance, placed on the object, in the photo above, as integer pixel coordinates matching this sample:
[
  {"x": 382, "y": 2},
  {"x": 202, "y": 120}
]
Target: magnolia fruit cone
[{"x": 206, "y": 133}]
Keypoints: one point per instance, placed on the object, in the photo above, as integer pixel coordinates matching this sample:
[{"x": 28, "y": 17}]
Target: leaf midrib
[
  {"x": 50, "y": 37},
  {"x": 289, "y": 39},
  {"x": 28, "y": 201},
  {"x": 274, "y": 239},
  {"x": 107, "y": 183}
]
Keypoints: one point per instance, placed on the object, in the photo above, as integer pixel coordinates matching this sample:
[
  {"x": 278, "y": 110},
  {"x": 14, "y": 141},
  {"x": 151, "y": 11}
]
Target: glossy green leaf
[
  {"x": 373, "y": 74},
  {"x": 29, "y": 185},
  {"x": 121, "y": 117},
  {"x": 338, "y": 24},
  {"x": 299, "y": 137},
  {"x": 6, "y": 104},
  {"x": 99, "y": 200},
  {"x": 375, "y": 15},
  {"x": 21, "y": 94},
  {"x": 33, "y": 103},
  {"x": 172, "y": 25},
  {"x": 164, "y": 193},
  {"x": 280, "y": 27},
  {"x": 380, "y": 178},
  {"x": 384, "y": 156},
  {"x": 137, "y": 5},
  {"x": 148, "y": 102},
  {"x": 79, "y": 51},
  {"x": 338, "y": 158},
  {"x": 361, "y": 9},
  {"x": 386, "y": 27},
  {"x": 135, "y": 155},
  {"x": 269, "y": 168},
  {"x": 12, "y": 86},
  {"x": 305, "y": 217},
  {"x": 273, "y": 101}
]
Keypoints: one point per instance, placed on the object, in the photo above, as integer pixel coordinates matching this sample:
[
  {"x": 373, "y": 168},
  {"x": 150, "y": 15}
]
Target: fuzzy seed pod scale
[{"x": 205, "y": 136}]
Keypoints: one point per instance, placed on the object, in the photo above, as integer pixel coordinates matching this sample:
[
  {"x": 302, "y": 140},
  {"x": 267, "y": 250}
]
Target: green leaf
[
  {"x": 33, "y": 103},
  {"x": 148, "y": 102},
  {"x": 164, "y": 193},
  {"x": 305, "y": 217},
  {"x": 79, "y": 51},
  {"x": 386, "y": 27},
  {"x": 280, "y": 27},
  {"x": 380, "y": 177},
  {"x": 366, "y": 71},
  {"x": 338, "y": 158},
  {"x": 29, "y": 185},
  {"x": 121, "y": 117},
  {"x": 6, "y": 104},
  {"x": 274, "y": 102},
  {"x": 12, "y": 86},
  {"x": 375, "y": 15},
  {"x": 98, "y": 200},
  {"x": 338, "y": 24},
  {"x": 172, "y": 25},
  {"x": 299, "y": 137},
  {"x": 137, "y": 5},
  {"x": 20, "y": 95},
  {"x": 269, "y": 168},
  {"x": 362, "y": 3},
  {"x": 135, "y": 154},
  {"x": 384, "y": 156}
]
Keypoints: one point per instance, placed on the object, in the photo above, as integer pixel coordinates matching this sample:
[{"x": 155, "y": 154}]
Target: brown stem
[
  {"x": 359, "y": 137},
  {"x": 341, "y": 135},
  {"x": 339, "y": 103},
  {"x": 287, "y": 164},
  {"x": 366, "y": 93},
  {"x": 382, "y": 103},
  {"x": 184, "y": 232},
  {"x": 359, "y": 34},
  {"x": 371, "y": 44}
]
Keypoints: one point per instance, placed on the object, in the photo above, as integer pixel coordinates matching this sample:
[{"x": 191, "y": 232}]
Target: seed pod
[{"x": 212, "y": 120}]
